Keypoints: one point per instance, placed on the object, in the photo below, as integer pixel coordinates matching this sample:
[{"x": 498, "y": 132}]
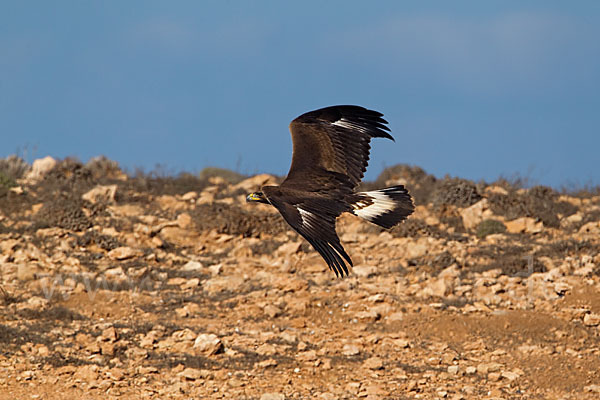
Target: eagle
[{"x": 330, "y": 155}]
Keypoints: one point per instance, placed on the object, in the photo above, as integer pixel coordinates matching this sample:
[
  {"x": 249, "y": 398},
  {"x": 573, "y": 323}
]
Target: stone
[
  {"x": 190, "y": 196},
  {"x": 309, "y": 355},
  {"x": 184, "y": 221},
  {"x": 40, "y": 168},
  {"x": 510, "y": 375},
  {"x": 418, "y": 249},
  {"x": 591, "y": 228},
  {"x": 208, "y": 344},
  {"x": 524, "y": 225},
  {"x": 109, "y": 334},
  {"x": 124, "y": 253},
  {"x": 101, "y": 193},
  {"x": 184, "y": 335},
  {"x": 397, "y": 316},
  {"x": 373, "y": 363},
  {"x": 591, "y": 319},
  {"x": 267, "y": 363},
  {"x": 592, "y": 388},
  {"x": 86, "y": 373},
  {"x": 191, "y": 374},
  {"x": 367, "y": 316},
  {"x": 474, "y": 214},
  {"x": 272, "y": 311},
  {"x": 364, "y": 271},
  {"x": 287, "y": 249},
  {"x": 193, "y": 266},
  {"x": 350, "y": 350},
  {"x": 28, "y": 271},
  {"x": 266, "y": 349},
  {"x": 272, "y": 396},
  {"x": 254, "y": 183}
]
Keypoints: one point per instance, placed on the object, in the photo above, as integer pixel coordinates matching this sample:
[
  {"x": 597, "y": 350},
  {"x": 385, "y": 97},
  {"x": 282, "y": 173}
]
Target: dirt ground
[{"x": 121, "y": 287}]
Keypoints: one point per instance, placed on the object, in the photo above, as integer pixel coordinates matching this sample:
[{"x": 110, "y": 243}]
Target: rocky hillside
[{"x": 131, "y": 287}]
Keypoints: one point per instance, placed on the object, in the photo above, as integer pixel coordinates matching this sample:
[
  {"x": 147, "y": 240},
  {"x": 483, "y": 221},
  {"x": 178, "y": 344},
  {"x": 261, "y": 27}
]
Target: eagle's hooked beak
[{"x": 257, "y": 197}]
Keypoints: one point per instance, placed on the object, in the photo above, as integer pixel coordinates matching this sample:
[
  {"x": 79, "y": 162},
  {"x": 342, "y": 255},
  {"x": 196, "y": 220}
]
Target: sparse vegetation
[{"x": 489, "y": 227}]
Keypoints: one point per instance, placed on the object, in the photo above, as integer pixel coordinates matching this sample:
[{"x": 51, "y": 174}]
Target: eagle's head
[{"x": 258, "y": 197}]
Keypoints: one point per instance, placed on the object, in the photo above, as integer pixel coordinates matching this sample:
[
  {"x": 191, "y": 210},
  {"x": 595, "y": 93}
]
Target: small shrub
[
  {"x": 12, "y": 168},
  {"x": 489, "y": 227},
  {"x": 231, "y": 177}
]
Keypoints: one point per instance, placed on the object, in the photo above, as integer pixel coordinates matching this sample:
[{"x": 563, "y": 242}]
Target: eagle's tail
[{"x": 383, "y": 207}]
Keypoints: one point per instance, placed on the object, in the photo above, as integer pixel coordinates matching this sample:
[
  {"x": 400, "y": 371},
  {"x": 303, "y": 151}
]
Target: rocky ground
[{"x": 116, "y": 286}]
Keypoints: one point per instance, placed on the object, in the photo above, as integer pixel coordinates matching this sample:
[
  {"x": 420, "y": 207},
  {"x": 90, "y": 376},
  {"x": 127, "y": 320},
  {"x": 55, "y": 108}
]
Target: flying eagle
[{"x": 330, "y": 157}]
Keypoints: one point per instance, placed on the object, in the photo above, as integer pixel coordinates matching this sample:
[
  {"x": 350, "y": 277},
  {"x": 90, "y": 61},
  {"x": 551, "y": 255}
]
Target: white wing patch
[
  {"x": 382, "y": 204},
  {"x": 344, "y": 123},
  {"x": 307, "y": 217}
]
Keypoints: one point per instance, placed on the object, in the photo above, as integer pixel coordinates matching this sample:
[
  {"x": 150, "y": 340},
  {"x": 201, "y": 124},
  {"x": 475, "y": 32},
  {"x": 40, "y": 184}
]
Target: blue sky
[{"x": 476, "y": 89}]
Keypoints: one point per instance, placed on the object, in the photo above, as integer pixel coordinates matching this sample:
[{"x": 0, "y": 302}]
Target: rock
[
  {"x": 124, "y": 253},
  {"x": 364, "y": 271},
  {"x": 592, "y": 388},
  {"x": 396, "y": 316},
  {"x": 510, "y": 375},
  {"x": 254, "y": 183},
  {"x": 524, "y": 224},
  {"x": 373, "y": 363},
  {"x": 418, "y": 249},
  {"x": 104, "y": 194},
  {"x": 266, "y": 349},
  {"x": 190, "y": 283},
  {"x": 40, "y": 168},
  {"x": 109, "y": 334},
  {"x": 191, "y": 374},
  {"x": 272, "y": 311},
  {"x": 37, "y": 303},
  {"x": 86, "y": 373},
  {"x": 486, "y": 368},
  {"x": 402, "y": 343},
  {"x": 27, "y": 271},
  {"x": 437, "y": 287},
  {"x": 184, "y": 335},
  {"x": 591, "y": 228},
  {"x": 309, "y": 355},
  {"x": 116, "y": 374},
  {"x": 473, "y": 215},
  {"x": 367, "y": 316},
  {"x": 453, "y": 369},
  {"x": 184, "y": 221},
  {"x": 193, "y": 266},
  {"x": 182, "y": 312},
  {"x": 494, "y": 376},
  {"x": 272, "y": 396},
  {"x": 287, "y": 249},
  {"x": 350, "y": 350},
  {"x": 591, "y": 319},
  {"x": 219, "y": 284},
  {"x": 267, "y": 363},
  {"x": 190, "y": 196},
  {"x": 168, "y": 202},
  {"x": 208, "y": 344}
]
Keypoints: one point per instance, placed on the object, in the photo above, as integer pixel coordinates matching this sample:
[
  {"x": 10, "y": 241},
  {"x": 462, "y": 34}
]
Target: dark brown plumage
[{"x": 330, "y": 157}]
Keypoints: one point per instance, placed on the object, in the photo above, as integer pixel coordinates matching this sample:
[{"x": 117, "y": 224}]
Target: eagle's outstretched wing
[
  {"x": 331, "y": 148},
  {"x": 314, "y": 219}
]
